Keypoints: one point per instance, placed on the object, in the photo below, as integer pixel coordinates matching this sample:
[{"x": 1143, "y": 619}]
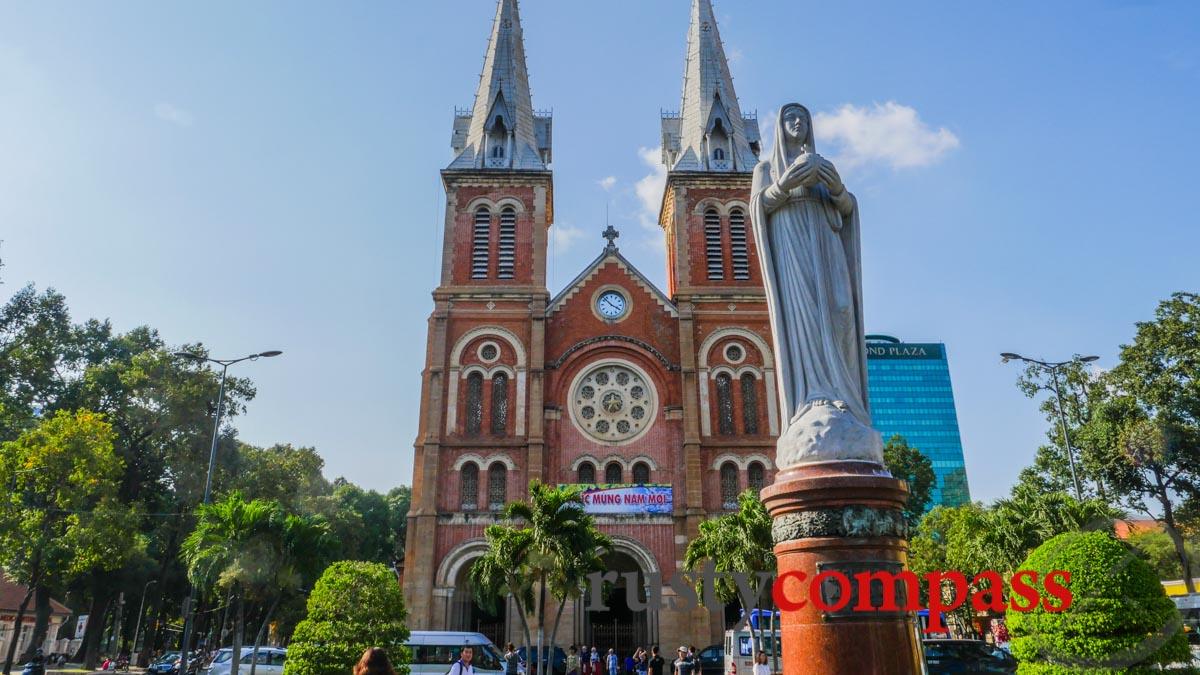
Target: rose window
[{"x": 613, "y": 402}]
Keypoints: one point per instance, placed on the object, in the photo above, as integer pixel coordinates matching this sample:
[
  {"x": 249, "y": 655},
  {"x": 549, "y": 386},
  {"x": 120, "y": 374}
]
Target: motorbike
[{"x": 34, "y": 668}]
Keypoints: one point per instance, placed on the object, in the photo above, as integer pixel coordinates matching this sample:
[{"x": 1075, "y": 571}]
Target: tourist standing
[
  {"x": 683, "y": 665},
  {"x": 463, "y": 665},
  {"x": 573, "y": 661},
  {"x": 611, "y": 661},
  {"x": 629, "y": 664},
  {"x": 656, "y": 663},
  {"x": 585, "y": 660},
  {"x": 512, "y": 660},
  {"x": 595, "y": 660},
  {"x": 761, "y": 667}
]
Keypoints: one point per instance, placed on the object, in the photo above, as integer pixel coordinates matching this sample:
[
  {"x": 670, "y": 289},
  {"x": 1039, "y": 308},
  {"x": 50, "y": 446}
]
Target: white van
[
  {"x": 434, "y": 651},
  {"x": 270, "y": 661},
  {"x": 739, "y": 649}
]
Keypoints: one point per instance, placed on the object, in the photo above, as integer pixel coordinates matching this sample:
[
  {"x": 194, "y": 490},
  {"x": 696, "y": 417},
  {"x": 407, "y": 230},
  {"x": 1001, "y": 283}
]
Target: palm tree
[
  {"x": 552, "y": 553},
  {"x": 232, "y": 550},
  {"x": 501, "y": 573},
  {"x": 738, "y": 542},
  {"x": 303, "y": 544}
]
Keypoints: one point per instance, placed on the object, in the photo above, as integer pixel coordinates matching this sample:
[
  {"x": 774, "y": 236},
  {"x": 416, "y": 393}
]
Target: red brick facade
[{"x": 503, "y": 357}]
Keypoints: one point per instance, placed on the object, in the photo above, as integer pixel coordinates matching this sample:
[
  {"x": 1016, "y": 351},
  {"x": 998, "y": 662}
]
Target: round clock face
[{"x": 611, "y": 305}]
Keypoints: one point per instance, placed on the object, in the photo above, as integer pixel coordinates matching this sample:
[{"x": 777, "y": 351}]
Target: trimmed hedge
[
  {"x": 352, "y": 607},
  {"x": 1120, "y": 619}
]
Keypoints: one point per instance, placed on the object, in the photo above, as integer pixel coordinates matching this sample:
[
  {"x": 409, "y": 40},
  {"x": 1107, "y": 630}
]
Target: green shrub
[
  {"x": 354, "y": 606},
  {"x": 1120, "y": 619}
]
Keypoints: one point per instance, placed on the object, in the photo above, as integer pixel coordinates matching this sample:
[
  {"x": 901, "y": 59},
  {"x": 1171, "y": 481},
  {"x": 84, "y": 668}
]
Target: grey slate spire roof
[
  {"x": 709, "y": 133},
  {"x": 502, "y": 131}
]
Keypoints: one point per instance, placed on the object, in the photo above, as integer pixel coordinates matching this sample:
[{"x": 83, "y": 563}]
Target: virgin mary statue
[{"x": 807, "y": 231}]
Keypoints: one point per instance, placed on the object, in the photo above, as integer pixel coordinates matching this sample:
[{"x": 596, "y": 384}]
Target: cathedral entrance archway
[
  {"x": 624, "y": 625},
  {"x": 461, "y": 611}
]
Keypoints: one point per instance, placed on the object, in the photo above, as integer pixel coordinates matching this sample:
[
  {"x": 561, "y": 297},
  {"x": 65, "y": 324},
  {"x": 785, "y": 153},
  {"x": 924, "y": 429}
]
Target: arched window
[
  {"x": 724, "y": 404},
  {"x": 587, "y": 473},
  {"x": 474, "y": 403},
  {"x": 469, "y": 490},
  {"x": 612, "y": 473},
  {"x": 749, "y": 404},
  {"x": 729, "y": 486},
  {"x": 718, "y": 153},
  {"x": 507, "y": 250},
  {"x": 713, "y": 252},
  {"x": 481, "y": 244},
  {"x": 641, "y": 473},
  {"x": 498, "y": 152},
  {"x": 737, "y": 245},
  {"x": 497, "y": 486},
  {"x": 757, "y": 475},
  {"x": 499, "y": 404}
]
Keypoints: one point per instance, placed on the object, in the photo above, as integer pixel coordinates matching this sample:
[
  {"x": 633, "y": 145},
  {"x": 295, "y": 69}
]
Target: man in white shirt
[{"x": 463, "y": 665}]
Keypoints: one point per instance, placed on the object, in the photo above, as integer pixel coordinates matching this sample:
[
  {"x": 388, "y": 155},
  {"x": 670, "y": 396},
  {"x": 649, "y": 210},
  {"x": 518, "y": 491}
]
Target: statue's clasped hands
[{"x": 810, "y": 169}]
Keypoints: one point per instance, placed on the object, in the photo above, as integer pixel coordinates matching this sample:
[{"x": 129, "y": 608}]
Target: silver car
[{"x": 270, "y": 661}]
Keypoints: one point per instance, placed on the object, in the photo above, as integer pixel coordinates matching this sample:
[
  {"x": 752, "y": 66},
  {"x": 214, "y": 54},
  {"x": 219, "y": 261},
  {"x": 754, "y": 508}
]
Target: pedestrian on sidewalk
[
  {"x": 374, "y": 661},
  {"x": 611, "y": 661}
]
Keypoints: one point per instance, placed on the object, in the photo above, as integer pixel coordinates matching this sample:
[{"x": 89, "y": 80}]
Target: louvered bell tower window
[
  {"x": 737, "y": 245},
  {"x": 508, "y": 243},
  {"x": 713, "y": 253},
  {"x": 481, "y": 244}
]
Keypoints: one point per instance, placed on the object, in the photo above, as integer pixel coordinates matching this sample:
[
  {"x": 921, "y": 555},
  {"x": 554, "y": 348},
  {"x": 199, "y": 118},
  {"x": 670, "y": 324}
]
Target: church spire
[
  {"x": 502, "y": 131},
  {"x": 709, "y": 133}
]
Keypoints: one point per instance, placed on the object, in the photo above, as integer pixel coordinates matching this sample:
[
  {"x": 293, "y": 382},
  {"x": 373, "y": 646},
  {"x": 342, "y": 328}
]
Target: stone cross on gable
[{"x": 611, "y": 234}]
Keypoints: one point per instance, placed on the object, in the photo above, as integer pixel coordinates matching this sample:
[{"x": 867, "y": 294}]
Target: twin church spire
[{"x": 502, "y": 130}]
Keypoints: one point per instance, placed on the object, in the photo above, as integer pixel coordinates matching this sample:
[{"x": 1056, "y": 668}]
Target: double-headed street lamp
[
  {"x": 212, "y": 460},
  {"x": 1052, "y": 368}
]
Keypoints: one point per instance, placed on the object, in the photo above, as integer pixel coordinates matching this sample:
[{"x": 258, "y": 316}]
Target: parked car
[
  {"x": 165, "y": 664},
  {"x": 270, "y": 661},
  {"x": 712, "y": 660},
  {"x": 434, "y": 651},
  {"x": 966, "y": 657},
  {"x": 559, "y": 667}
]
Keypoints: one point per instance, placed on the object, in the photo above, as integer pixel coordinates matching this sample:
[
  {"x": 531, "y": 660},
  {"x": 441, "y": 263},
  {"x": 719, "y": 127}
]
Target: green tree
[
  {"x": 1146, "y": 435},
  {"x": 232, "y": 550},
  {"x": 915, "y": 469},
  {"x": 1158, "y": 550},
  {"x": 502, "y": 572},
  {"x": 354, "y": 606},
  {"x": 61, "y": 517},
  {"x": 1119, "y": 620},
  {"x": 737, "y": 542}
]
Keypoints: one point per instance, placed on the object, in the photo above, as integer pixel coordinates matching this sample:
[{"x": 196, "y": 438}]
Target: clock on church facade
[{"x": 608, "y": 382}]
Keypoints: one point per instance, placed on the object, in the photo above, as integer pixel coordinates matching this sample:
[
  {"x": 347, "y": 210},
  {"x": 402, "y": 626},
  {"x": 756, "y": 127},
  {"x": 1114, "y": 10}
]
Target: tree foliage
[
  {"x": 916, "y": 470},
  {"x": 1119, "y": 620},
  {"x": 354, "y": 606}
]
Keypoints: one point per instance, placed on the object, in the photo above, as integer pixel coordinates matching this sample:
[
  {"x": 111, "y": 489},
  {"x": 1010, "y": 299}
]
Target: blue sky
[{"x": 265, "y": 176}]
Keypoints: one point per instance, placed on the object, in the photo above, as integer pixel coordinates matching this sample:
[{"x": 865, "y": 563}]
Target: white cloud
[
  {"x": 564, "y": 237},
  {"x": 650, "y": 187},
  {"x": 890, "y": 134},
  {"x": 607, "y": 182},
  {"x": 173, "y": 114}
]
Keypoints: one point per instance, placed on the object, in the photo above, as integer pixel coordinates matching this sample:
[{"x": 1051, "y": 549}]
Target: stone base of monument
[{"x": 833, "y": 520}]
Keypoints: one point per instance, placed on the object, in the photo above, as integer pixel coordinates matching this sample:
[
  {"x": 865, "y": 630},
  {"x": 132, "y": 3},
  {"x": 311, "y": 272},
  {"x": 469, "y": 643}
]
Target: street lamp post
[
  {"x": 1052, "y": 368},
  {"x": 138, "y": 628},
  {"x": 190, "y": 601}
]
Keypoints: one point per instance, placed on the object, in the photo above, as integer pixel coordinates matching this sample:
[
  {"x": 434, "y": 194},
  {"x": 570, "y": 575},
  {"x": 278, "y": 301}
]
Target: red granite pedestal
[{"x": 842, "y": 517}]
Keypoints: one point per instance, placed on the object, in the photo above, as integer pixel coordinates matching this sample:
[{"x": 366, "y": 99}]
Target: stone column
[{"x": 842, "y": 517}]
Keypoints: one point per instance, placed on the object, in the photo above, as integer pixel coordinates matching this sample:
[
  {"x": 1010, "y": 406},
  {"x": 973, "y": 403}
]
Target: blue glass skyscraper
[{"x": 910, "y": 393}]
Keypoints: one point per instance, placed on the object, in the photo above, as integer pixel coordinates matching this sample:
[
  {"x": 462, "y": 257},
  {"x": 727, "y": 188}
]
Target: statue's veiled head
[{"x": 793, "y": 135}]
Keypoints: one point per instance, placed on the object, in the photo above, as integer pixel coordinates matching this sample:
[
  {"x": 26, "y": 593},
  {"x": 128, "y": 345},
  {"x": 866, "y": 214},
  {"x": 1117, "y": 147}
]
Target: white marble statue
[{"x": 806, "y": 227}]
